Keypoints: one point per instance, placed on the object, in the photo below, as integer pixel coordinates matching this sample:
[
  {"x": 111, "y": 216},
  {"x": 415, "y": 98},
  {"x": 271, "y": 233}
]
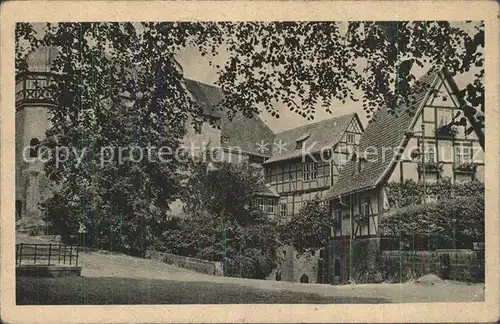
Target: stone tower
[{"x": 32, "y": 121}]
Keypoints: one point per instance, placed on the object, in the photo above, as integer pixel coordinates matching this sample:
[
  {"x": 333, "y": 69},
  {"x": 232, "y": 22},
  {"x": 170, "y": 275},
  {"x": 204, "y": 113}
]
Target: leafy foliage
[
  {"x": 309, "y": 64},
  {"x": 223, "y": 222},
  {"x": 116, "y": 91},
  {"x": 310, "y": 228},
  {"x": 409, "y": 192},
  {"x": 456, "y": 219},
  {"x": 119, "y": 86},
  {"x": 316, "y": 63},
  {"x": 459, "y": 219}
]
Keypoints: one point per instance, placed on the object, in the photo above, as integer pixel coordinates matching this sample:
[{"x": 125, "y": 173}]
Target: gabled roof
[
  {"x": 268, "y": 191},
  {"x": 316, "y": 136},
  {"x": 385, "y": 132}
]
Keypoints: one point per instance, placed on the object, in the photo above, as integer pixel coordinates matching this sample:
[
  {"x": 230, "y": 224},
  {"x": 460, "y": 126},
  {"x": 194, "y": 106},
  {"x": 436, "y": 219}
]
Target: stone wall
[
  {"x": 294, "y": 267},
  {"x": 463, "y": 265},
  {"x": 198, "y": 265}
]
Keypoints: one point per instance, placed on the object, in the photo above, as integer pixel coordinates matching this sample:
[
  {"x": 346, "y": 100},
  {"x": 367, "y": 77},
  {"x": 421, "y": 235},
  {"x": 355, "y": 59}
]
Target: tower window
[{"x": 34, "y": 144}]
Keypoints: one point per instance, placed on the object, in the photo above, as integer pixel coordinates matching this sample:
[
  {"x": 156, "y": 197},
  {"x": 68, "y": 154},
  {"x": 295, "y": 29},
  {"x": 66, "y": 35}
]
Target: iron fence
[{"x": 46, "y": 254}]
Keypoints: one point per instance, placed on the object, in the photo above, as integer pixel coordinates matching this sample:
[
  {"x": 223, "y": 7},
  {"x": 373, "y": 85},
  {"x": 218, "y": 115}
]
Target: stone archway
[{"x": 304, "y": 279}]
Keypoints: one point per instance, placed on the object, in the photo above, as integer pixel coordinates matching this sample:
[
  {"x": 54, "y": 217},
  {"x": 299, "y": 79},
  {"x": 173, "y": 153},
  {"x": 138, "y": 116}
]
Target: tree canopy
[
  {"x": 120, "y": 86},
  {"x": 301, "y": 64}
]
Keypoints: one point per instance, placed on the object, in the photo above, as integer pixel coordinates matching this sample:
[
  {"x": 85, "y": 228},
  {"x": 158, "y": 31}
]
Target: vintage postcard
[{"x": 249, "y": 161}]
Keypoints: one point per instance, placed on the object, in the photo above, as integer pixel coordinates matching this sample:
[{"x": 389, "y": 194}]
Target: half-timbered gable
[
  {"x": 424, "y": 141},
  {"x": 307, "y": 160}
]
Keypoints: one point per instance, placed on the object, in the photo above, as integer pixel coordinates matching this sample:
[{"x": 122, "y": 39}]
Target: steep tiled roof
[
  {"x": 242, "y": 132},
  {"x": 384, "y": 132},
  {"x": 206, "y": 95},
  {"x": 245, "y": 133},
  {"x": 325, "y": 133}
]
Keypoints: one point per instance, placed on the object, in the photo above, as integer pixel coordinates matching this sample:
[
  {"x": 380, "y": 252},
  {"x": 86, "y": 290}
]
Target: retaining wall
[
  {"x": 198, "y": 265},
  {"x": 463, "y": 265}
]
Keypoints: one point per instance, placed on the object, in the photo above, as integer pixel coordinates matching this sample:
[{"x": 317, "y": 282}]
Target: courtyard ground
[{"x": 122, "y": 279}]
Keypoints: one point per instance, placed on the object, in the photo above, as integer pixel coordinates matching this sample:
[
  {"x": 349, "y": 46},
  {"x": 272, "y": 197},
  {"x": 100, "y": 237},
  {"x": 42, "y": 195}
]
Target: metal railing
[{"x": 46, "y": 254}]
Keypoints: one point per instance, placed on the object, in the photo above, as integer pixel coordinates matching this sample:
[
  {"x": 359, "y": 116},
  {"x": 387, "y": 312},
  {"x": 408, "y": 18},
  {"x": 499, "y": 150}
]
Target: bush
[
  {"x": 224, "y": 224},
  {"x": 455, "y": 220},
  {"x": 401, "y": 194},
  {"x": 309, "y": 229}
]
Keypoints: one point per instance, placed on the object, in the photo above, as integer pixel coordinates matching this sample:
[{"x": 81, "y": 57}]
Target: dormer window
[
  {"x": 359, "y": 163},
  {"x": 300, "y": 141}
]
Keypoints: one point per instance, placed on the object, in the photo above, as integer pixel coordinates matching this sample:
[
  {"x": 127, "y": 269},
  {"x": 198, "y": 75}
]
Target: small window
[
  {"x": 430, "y": 152},
  {"x": 260, "y": 203},
  {"x": 310, "y": 171},
  {"x": 299, "y": 145},
  {"x": 350, "y": 138},
  {"x": 313, "y": 253},
  {"x": 300, "y": 141},
  {"x": 270, "y": 206},
  {"x": 284, "y": 254},
  {"x": 366, "y": 207},
  {"x": 463, "y": 154},
  {"x": 282, "y": 210},
  {"x": 34, "y": 146}
]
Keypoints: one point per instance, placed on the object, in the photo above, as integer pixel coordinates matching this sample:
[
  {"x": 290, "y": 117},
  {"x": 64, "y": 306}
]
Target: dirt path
[
  {"x": 96, "y": 265},
  {"x": 102, "y": 265}
]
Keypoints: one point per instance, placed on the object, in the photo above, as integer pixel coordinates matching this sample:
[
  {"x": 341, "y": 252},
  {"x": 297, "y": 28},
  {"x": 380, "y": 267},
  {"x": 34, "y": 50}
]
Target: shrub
[{"x": 460, "y": 219}]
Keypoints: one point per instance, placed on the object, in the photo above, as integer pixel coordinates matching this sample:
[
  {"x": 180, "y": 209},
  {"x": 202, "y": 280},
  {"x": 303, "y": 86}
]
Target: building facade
[
  {"x": 306, "y": 164},
  {"x": 424, "y": 145}
]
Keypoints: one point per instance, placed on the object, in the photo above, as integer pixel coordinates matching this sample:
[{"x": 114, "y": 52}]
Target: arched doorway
[
  {"x": 304, "y": 279},
  {"x": 278, "y": 275}
]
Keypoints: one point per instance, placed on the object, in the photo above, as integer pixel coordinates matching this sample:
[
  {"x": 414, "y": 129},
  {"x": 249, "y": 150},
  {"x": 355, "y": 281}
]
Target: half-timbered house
[
  {"x": 306, "y": 163},
  {"x": 419, "y": 143}
]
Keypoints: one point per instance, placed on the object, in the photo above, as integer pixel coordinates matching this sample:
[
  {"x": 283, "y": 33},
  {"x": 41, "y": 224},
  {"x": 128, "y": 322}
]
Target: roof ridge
[
  {"x": 317, "y": 122},
  {"x": 381, "y": 133},
  {"x": 203, "y": 83}
]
